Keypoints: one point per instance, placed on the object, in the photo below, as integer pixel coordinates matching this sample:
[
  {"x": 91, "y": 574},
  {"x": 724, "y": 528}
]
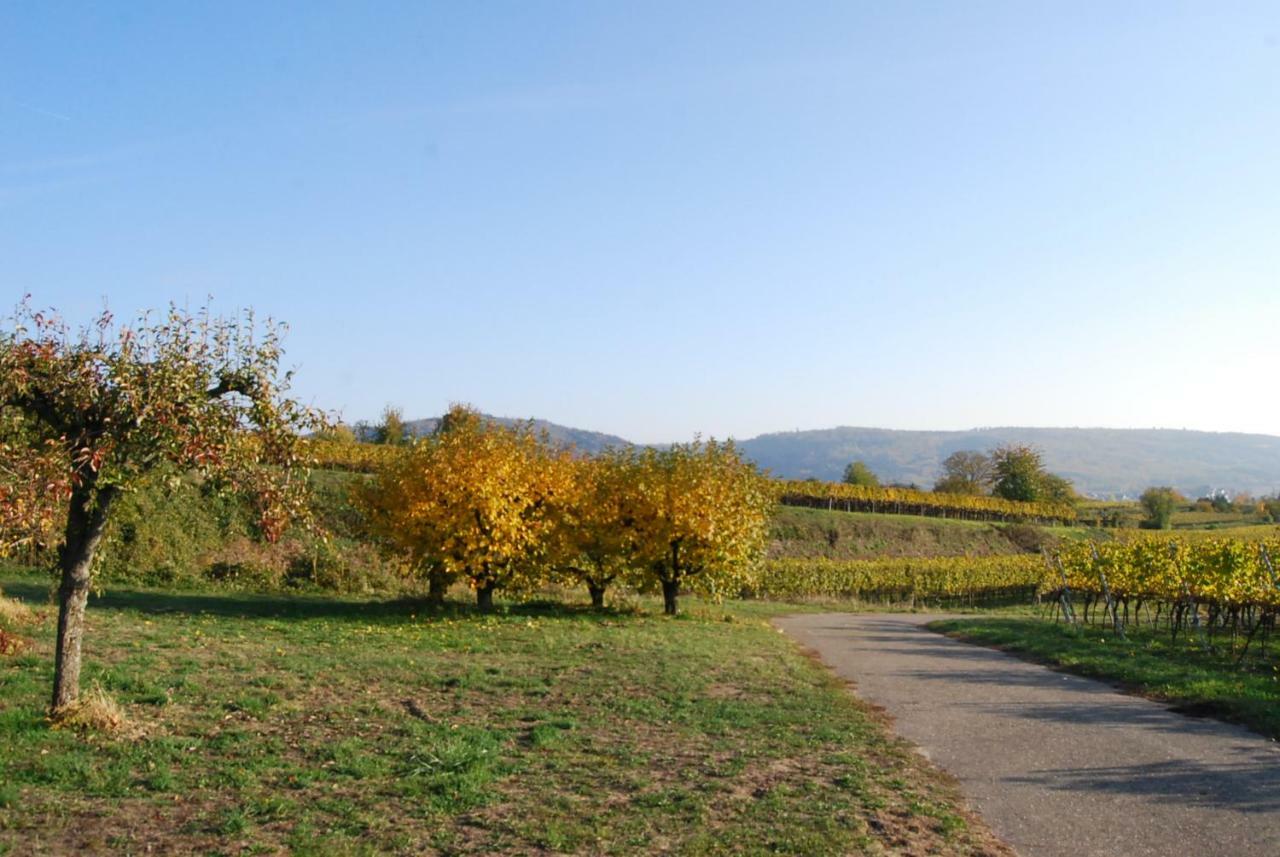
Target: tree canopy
[
  {"x": 597, "y": 541},
  {"x": 474, "y": 500},
  {"x": 391, "y": 430},
  {"x": 966, "y": 472},
  {"x": 1020, "y": 474},
  {"x": 858, "y": 473},
  {"x": 702, "y": 517},
  {"x": 1160, "y": 502},
  {"x": 92, "y": 411}
]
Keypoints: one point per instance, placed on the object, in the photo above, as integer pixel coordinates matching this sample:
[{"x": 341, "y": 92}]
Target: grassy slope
[
  {"x": 331, "y": 725},
  {"x": 800, "y": 532},
  {"x": 1148, "y": 663}
]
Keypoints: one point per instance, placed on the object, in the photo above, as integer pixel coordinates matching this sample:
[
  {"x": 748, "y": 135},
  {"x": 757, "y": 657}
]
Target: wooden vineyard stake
[
  {"x": 1192, "y": 605},
  {"x": 1064, "y": 596},
  {"x": 1189, "y": 600},
  {"x": 1106, "y": 594}
]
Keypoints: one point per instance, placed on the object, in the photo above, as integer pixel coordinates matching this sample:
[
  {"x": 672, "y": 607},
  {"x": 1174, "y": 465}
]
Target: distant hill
[
  {"x": 1101, "y": 462},
  {"x": 587, "y": 441}
]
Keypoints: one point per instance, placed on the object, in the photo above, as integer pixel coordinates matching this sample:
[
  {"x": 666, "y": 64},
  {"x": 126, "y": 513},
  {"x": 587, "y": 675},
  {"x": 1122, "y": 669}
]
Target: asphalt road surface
[{"x": 1056, "y": 764}]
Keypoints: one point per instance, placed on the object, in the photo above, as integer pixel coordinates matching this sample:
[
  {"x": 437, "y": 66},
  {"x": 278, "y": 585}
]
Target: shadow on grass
[{"x": 275, "y": 605}]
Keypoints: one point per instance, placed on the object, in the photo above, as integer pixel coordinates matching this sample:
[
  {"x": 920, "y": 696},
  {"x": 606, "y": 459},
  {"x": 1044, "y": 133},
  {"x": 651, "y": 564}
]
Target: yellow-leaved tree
[
  {"x": 475, "y": 500},
  {"x": 702, "y": 518},
  {"x": 596, "y": 540}
]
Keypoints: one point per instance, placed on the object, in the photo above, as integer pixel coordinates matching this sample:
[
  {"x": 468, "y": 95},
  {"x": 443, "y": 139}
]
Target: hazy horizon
[
  {"x": 414, "y": 417},
  {"x": 727, "y": 219}
]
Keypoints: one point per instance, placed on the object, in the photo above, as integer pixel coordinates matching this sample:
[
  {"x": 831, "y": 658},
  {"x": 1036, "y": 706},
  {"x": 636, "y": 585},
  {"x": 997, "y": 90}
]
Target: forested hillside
[{"x": 1102, "y": 462}]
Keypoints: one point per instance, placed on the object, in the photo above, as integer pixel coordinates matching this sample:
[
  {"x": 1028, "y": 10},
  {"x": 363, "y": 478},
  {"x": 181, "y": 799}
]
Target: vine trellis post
[
  {"x": 1192, "y": 604},
  {"x": 1064, "y": 595},
  {"x": 1106, "y": 594},
  {"x": 1275, "y": 581}
]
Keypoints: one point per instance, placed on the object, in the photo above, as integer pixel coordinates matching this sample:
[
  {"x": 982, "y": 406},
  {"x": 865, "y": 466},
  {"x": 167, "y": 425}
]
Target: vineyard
[
  {"x": 933, "y": 580},
  {"x": 355, "y": 457},
  {"x": 1207, "y": 585},
  {"x": 907, "y": 501},
  {"x": 1230, "y": 582}
]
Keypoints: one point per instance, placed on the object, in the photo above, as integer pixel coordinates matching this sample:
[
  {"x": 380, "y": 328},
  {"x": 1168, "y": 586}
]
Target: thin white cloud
[{"x": 39, "y": 111}]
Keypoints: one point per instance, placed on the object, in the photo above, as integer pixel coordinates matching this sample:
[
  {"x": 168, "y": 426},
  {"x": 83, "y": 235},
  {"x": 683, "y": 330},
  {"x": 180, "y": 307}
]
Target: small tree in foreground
[
  {"x": 702, "y": 517},
  {"x": 473, "y": 500},
  {"x": 112, "y": 403}
]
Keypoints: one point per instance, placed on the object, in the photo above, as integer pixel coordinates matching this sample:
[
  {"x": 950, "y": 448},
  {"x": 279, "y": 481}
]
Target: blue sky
[{"x": 665, "y": 218}]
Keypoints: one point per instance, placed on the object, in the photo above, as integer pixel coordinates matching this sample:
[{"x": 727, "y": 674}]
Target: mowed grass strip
[
  {"x": 1149, "y": 662},
  {"x": 323, "y": 725}
]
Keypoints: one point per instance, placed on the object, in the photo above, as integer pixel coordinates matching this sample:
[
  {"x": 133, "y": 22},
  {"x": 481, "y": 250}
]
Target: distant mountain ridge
[{"x": 1100, "y": 462}]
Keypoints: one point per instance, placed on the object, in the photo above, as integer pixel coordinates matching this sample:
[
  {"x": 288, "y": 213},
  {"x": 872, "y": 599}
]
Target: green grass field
[
  {"x": 1148, "y": 662},
  {"x": 346, "y": 726}
]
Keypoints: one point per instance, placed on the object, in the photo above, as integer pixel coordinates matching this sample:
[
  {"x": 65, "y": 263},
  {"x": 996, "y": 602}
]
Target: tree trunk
[
  {"x": 484, "y": 598},
  {"x": 670, "y": 589},
  {"x": 437, "y": 586},
  {"x": 86, "y": 520},
  {"x": 597, "y": 595}
]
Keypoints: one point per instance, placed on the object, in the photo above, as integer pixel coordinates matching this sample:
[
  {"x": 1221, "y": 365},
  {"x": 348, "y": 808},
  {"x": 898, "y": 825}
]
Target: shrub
[{"x": 1160, "y": 503}]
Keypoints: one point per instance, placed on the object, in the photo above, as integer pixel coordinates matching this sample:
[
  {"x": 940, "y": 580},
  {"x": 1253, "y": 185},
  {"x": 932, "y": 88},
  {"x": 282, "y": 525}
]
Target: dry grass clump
[
  {"x": 12, "y": 644},
  {"x": 93, "y": 711},
  {"x": 14, "y": 613}
]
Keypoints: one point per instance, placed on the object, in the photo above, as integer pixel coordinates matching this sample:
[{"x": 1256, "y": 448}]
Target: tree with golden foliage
[
  {"x": 475, "y": 500},
  {"x": 596, "y": 541},
  {"x": 701, "y": 518},
  {"x": 92, "y": 412}
]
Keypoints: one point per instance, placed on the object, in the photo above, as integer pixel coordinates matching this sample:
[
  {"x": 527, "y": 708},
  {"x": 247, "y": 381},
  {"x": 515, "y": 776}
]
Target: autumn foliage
[
  {"x": 597, "y": 539},
  {"x": 473, "y": 501},
  {"x": 85, "y": 414},
  {"x": 34, "y": 486},
  {"x": 702, "y": 518},
  {"x": 500, "y": 508}
]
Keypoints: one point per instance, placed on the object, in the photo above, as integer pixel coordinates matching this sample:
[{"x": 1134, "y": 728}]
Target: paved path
[{"x": 1059, "y": 765}]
